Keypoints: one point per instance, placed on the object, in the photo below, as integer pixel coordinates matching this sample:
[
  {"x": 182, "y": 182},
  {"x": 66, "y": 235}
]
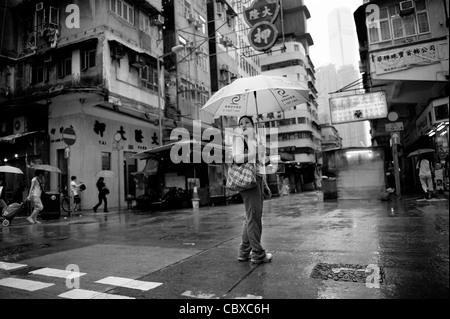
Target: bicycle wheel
[{"x": 65, "y": 205}]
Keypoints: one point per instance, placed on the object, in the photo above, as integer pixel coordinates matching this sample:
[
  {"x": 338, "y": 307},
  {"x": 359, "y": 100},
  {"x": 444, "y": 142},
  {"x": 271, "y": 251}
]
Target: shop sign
[
  {"x": 410, "y": 56},
  {"x": 263, "y": 36},
  {"x": 262, "y": 10},
  {"x": 359, "y": 107},
  {"x": 394, "y": 127},
  {"x": 260, "y": 16}
]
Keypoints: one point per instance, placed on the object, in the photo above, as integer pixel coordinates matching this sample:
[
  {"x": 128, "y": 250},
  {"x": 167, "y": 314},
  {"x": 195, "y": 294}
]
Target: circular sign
[
  {"x": 393, "y": 116},
  {"x": 117, "y": 137},
  {"x": 263, "y": 35},
  {"x": 69, "y": 136}
]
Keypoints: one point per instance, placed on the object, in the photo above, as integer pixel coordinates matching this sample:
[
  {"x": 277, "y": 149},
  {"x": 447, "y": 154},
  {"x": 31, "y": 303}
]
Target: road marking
[
  {"x": 10, "y": 266},
  {"x": 89, "y": 294},
  {"x": 250, "y": 297},
  {"x": 199, "y": 295},
  {"x": 129, "y": 283},
  {"x": 51, "y": 272},
  {"x": 24, "y": 284}
]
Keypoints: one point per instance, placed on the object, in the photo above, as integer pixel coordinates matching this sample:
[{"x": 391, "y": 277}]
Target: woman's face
[{"x": 245, "y": 124}]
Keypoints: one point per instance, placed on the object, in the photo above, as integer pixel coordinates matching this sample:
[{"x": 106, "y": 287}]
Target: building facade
[{"x": 405, "y": 54}]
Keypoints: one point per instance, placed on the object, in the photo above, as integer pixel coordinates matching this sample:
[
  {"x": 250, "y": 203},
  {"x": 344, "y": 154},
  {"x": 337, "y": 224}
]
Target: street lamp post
[{"x": 175, "y": 49}]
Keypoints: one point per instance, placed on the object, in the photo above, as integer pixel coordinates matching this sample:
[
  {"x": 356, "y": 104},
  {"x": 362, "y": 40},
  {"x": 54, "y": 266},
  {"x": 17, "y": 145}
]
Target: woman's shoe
[
  {"x": 106, "y": 211},
  {"x": 30, "y": 220}
]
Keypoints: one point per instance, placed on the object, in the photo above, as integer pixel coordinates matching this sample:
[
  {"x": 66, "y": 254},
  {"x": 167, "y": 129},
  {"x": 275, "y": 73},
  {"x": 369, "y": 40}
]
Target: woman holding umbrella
[
  {"x": 245, "y": 150},
  {"x": 36, "y": 189},
  {"x": 102, "y": 192}
]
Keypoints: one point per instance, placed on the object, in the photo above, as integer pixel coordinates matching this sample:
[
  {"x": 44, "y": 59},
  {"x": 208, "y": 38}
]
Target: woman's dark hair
[
  {"x": 248, "y": 117},
  {"x": 38, "y": 172},
  {"x": 73, "y": 178}
]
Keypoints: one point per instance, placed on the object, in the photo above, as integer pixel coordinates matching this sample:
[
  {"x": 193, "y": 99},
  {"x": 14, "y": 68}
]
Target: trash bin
[{"x": 52, "y": 206}]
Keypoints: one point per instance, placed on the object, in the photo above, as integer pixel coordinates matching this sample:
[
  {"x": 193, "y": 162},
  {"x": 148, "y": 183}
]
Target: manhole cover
[{"x": 347, "y": 272}]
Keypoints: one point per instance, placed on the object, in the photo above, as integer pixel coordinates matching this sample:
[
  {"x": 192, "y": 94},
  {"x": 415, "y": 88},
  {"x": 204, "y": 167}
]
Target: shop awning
[
  {"x": 150, "y": 169},
  {"x": 152, "y": 152},
  {"x": 12, "y": 138}
]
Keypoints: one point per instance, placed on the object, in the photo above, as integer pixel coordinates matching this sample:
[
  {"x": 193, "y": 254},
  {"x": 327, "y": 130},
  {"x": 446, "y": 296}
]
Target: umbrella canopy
[
  {"x": 105, "y": 173},
  {"x": 256, "y": 95},
  {"x": 45, "y": 167},
  {"x": 10, "y": 169},
  {"x": 421, "y": 151}
]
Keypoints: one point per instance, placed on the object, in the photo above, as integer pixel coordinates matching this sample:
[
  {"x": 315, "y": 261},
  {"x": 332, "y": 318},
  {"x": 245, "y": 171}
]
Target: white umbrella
[
  {"x": 105, "y": 173},
  {"x": 10, "y": 169},
  {"x": 421, "y": 151},
  {"x": 256, "y": 95},
  {"x": 45, "y": 167}
]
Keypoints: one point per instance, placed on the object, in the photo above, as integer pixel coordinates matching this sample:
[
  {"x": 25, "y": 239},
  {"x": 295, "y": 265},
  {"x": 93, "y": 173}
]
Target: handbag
[
  {"x": 241, "y": 177},
  {"x": 105, "y": 191}
]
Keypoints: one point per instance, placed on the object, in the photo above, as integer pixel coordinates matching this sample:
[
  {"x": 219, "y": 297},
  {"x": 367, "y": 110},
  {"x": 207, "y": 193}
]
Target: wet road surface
[{"x": 400, "y": 248}]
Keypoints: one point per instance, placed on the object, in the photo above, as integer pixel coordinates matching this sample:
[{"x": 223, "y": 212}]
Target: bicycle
[{"x": 65, "y": 201}]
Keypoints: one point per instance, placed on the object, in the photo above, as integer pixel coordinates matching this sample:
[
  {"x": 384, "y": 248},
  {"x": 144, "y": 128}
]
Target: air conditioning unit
[
  {"x": 20, "y": 125},
  {"x": 137, "y": 61},
  {"x": 191, "y": 17},
  {"x": 158, "y": 20},
  {"x": 39, "y": 6},
  {"x": 406, "y": 7}
]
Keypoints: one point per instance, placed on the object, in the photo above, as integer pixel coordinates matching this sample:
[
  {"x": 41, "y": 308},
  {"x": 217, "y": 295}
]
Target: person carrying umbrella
[
  {"x": 36, "y": 190},
  {"x": 245, "y": 150},
  {"x": 425, "y": 176},
  {"x": 102, "y": 192},
  {"x": 3, "y": 205}
]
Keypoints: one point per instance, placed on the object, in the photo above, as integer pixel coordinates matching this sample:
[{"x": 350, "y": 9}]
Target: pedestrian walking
[
  {"x": 3, "y": 204},
  {"x": 102, "y": 192},
  {"x": 425, "y": 176},
  {"x": 34, "y": 196},
  {"x": 245, "y": 150}
]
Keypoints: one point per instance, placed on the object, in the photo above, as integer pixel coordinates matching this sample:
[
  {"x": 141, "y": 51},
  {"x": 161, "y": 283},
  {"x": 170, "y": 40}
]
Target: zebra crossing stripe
[
  {"x": 51, "y": 272},
  {"x": 10, "y": 266},
  {"x": 24, "y": 284},
  {"x": 129, "y": 283},
  {"x": 199, "y": 295},
  {"x": 89, "y": 294}
]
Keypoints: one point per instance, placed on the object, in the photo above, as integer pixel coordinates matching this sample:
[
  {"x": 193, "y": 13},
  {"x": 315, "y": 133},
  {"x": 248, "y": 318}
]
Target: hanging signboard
[
  {"x": 358, "y": 107},
  {"x": 260, "y": 16}
]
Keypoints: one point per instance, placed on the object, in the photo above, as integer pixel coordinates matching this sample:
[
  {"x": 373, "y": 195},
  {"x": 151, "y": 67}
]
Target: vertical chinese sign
[{"x": 260, "y": 16}]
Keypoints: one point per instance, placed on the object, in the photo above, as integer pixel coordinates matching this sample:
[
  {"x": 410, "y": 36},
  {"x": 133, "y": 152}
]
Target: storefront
[{"x": 434, "y": 123}]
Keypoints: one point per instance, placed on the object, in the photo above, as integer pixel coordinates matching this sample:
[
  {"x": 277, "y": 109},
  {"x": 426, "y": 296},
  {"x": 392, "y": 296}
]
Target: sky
[{"x": 318, "y": 28}]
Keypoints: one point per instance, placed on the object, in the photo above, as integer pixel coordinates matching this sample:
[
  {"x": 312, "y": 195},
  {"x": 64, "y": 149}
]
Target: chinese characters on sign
[
  {"x": 263, "y": 36},
  {"x": 361, "y": 107},
  {"x": 260, "y": 16},
  {"x": 407, "y": 57}
]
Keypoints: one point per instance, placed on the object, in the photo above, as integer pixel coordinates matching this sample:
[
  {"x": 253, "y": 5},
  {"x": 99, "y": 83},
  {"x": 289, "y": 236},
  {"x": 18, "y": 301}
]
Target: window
[
  {"x": 394, "y": 26},
  {"x": 149, "y": 77},
  {"x": 64, "y": 67},
  {"x": 106, "y": 161},
  {"x": 296, "y": 47},
  {"x": 380, "y": 30},
  {"x": 122, "y": 9},
  {"x": 54, "y": 16},
  {"x": 187, "y": 9},
  {"x": 423, "y": 25},
  {"x": 39, "y": 74},
  {"x": 87, "y": 59}
]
